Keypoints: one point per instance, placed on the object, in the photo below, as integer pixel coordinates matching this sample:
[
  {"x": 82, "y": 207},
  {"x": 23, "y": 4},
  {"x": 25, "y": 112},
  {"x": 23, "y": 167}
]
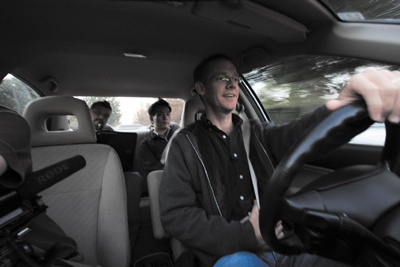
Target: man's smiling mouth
[{"x": 229, "y": 95}]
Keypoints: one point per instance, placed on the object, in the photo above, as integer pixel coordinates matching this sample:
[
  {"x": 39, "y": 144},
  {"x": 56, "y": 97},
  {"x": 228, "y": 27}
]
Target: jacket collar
[{"x": 237, "y": 122}]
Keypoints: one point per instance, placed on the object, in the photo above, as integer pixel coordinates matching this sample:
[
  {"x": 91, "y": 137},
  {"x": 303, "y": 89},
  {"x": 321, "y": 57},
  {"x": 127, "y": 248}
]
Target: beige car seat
[{"x": 91, "y": 204}]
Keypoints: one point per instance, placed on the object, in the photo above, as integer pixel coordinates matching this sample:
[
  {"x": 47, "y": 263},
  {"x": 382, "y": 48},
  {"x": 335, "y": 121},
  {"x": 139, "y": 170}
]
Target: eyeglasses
[{"x": 226, "y": 79}]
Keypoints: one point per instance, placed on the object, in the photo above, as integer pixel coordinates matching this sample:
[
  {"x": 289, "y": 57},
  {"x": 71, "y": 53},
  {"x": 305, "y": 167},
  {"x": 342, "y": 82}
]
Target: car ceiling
[{"x": 76, "y": 47}]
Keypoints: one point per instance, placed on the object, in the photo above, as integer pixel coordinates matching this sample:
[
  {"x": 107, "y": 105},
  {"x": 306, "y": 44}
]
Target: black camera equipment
[{"x": 19, "y": 206}]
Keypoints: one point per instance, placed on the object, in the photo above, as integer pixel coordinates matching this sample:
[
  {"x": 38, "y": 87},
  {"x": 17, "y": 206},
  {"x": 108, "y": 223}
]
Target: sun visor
[{"x": 256, "y": 18}]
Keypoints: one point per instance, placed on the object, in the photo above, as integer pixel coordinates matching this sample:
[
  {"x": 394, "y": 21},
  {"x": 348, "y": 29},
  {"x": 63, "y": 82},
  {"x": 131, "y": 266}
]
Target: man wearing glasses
[{"x": 207, "y": 200}]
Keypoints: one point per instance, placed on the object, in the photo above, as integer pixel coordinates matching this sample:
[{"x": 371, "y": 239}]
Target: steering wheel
[{"x": 351, "y": 212}]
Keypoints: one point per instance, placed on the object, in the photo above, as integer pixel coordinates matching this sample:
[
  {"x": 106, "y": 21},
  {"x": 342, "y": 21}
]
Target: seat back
[
  {"x": 192, "y": 108},
  {"x": 90, "y": 205},
  {"x": 192, "y": 111},
  {"x": 153, "y": 183}
]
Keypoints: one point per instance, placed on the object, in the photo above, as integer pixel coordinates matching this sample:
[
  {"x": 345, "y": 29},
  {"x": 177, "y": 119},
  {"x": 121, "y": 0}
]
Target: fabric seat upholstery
[
  {"x": 194, "y": 107},
  {"x": 91, "y": 204}
]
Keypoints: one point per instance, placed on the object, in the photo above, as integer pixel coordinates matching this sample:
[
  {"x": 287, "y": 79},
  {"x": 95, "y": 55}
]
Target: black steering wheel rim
[{"x": 322, "y": 139}]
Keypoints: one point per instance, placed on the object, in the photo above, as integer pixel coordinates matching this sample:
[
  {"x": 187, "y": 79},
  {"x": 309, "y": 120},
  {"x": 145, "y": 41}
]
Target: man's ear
[{"x": 199, "y": 87}]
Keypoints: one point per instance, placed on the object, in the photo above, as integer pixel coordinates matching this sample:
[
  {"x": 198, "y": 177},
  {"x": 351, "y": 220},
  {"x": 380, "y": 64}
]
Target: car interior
[
  {"x": 89, "y": 195},
  {"x": 287, "y": 52}
]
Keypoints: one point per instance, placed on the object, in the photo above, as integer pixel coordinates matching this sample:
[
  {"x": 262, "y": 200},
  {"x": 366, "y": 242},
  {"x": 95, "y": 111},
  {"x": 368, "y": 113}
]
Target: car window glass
[
  {"x": 15, "y": 94},
  {"x": 384, "y": 11},
  {"x": 291, "y": 87},
  {"x": 129, "y": 114}
]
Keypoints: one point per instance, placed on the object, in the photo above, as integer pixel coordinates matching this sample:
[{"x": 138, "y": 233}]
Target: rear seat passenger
[
  {"x": 192, "y": 112},
  {"x": 158, "y": 243}
]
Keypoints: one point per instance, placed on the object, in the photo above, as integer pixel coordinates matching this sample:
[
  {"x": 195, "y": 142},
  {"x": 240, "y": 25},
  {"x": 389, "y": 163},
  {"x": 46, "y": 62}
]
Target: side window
[
  {"x": 15, "y": 94},
  {"x": 291, "y": 87}
]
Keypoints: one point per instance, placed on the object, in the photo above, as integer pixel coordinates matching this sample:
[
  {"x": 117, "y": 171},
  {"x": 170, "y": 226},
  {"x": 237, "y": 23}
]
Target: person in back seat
[
  {"x": 152, "y": 147},
  {"x": 100, "y": 112}
]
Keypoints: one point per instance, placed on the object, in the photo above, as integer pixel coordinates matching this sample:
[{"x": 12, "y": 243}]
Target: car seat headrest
[
  {"x": 58, "y": 123},
  {"x": 193, "y": 107},
  {"x": 39, "y": 111}
]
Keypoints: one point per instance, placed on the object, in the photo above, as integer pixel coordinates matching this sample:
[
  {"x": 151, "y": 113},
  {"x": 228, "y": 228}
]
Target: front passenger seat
[{"x": 91, "y": 204}]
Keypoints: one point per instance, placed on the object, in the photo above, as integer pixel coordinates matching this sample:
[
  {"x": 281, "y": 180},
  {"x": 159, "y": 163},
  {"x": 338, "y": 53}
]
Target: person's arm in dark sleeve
[
  {"x": 15, "y": 148},
  {"x": 279, "y": 139},
  {"x": 148, "y": 159}
]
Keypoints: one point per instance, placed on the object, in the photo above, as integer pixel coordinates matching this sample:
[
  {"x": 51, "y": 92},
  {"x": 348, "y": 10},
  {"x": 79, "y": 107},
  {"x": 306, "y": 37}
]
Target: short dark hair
[
  {"x": 103, "y": 103},
  {"x": 155, "y": 105},
  {"x": 199, "y": 71}
]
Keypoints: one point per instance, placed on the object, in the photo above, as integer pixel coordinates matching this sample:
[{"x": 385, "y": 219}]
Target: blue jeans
[
  {"x": 265, "y": 259},
  {"x": 269, "y": 259}
]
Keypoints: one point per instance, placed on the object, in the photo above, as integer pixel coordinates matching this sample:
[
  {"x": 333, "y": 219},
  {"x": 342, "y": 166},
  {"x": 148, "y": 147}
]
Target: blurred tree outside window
[
  {"x": 15, "y": 94},
  {"x": 384, "y": 11},
  {"x": 291, "y": 87}
]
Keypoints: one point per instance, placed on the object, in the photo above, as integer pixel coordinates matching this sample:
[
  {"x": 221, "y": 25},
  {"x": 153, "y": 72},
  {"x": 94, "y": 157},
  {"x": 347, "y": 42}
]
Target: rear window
[{"x": 129, "y": 114}]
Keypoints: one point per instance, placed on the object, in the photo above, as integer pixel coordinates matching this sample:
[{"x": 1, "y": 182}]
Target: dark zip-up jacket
[
  {"x": 190, "y": 203},
  {"x": 151, "y": 149}
]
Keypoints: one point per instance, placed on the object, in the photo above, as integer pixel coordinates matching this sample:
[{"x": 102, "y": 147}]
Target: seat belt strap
[
  {"x": 164, "y": 155},
  {"x": 246, "y": 127}
]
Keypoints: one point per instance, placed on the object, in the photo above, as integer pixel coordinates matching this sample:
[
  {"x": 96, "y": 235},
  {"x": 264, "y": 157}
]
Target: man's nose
[{"x": 231, "y": 84}]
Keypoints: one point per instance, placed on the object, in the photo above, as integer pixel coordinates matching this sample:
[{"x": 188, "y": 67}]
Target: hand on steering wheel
[{"x": 309, "y": 208}]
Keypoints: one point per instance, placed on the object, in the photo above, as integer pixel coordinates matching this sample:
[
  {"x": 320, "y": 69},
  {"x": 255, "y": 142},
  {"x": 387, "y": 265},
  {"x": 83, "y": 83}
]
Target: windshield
[{"x": 387, "y": 11}]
